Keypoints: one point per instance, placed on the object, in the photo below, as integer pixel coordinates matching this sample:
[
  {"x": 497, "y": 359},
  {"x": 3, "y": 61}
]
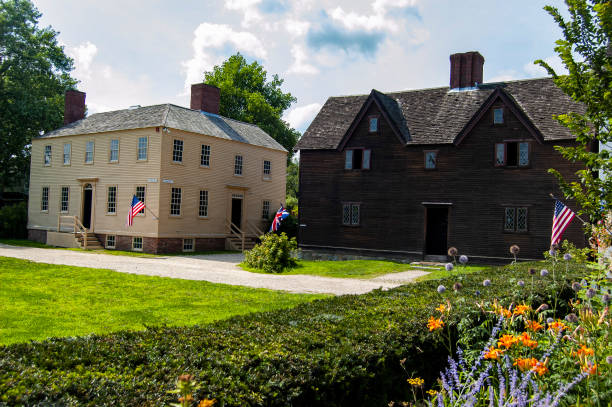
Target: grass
[
  {"x": 364, "y": 269},
  {"x": 40, "y": 300}
]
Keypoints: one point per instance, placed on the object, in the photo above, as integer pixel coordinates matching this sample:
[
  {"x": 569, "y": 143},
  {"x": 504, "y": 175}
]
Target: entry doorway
[
  {"x": 237, "y": 210},
  {"x": 87, "y": 199},
  {"x": 436, "y": 229}
]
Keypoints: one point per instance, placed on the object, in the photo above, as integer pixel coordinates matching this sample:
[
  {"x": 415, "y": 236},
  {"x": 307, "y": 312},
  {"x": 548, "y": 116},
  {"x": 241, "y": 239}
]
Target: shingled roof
[
  {"x": 171, "y": 116},
  {"x": 438, "y": 116}
]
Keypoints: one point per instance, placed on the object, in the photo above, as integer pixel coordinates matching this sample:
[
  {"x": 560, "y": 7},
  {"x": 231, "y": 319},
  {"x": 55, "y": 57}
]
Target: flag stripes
[
  {"x": 137, "y": 206},
  {"x": 561, "y": 218}
]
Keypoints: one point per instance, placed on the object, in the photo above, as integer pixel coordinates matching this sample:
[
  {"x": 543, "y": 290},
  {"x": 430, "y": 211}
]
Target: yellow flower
[
  {"x": 441, "y": 308},
  {"x": 521, "y": 309},
  {"x": 493, "y": 353},
  {"x": 507, "y": 341},
  {"x": 434, "y": 324},
  {"x": 432, "y": 392},
  {"x": 416, "y": 382}
]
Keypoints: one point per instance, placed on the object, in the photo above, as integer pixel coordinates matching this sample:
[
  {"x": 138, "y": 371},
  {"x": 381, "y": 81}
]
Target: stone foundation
[
  {"x": 156, "y": 245},
  {"x": 37, "y": 235},
  {"x": 339, "y": 255}
]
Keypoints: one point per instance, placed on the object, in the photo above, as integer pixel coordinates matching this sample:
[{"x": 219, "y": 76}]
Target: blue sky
[{"x": 147, "y": 52}]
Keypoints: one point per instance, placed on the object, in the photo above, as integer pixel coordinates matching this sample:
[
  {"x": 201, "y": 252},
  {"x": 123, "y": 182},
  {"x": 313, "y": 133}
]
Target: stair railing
[
  {"x": 235, "y": 231},
  {"x": 80, "y": 229}
]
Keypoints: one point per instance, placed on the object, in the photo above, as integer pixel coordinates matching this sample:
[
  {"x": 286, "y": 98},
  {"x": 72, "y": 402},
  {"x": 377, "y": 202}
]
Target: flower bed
[{"x": 335, "y": 352}]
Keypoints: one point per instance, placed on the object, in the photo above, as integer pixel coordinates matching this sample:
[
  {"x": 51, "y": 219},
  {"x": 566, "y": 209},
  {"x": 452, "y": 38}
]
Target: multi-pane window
[
  {"x": 267, "y": 169},
  {"x": 515, "y": 219},
  {"x": 265, "y": 211},
  {"x": 498, "y": 116},
  {"x": 141, "y": 192},
  {"x": 203, "y": 206},
  {"x": 205, "y": 156},
  {"x": 238, "y": 165},
  {"x": 350, "y": 214},
  {"x": 431, "y": 160},
  {"x": 89, "y": 152},
  {"x": 111, "y": 200},
  {"x": 67, "y": 149},
  {"x": 111, "y": 241},
  {"x": 175, "y": 202},
  {"x": 177, "y": 151},
  {"x": 373, "y": 124},
  {"x": 44, "y": 199},
  {"x": 137, "y": 243},
  {"x": 187, "y": 245},
  {"x": 47, "y": 157},
  {"x": 65, "y": 196},
  {"x": 512, "y": 154},
  {"x": 357, "y": 159},
  {"x": 114, "y": 151},
  {"x": 143, "y": 143}
]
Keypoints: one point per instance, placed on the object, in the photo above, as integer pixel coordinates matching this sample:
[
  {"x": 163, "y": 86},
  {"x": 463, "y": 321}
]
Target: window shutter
[
  {"x": 348, "y": 163},
  {"x": 366, "y": 159}
]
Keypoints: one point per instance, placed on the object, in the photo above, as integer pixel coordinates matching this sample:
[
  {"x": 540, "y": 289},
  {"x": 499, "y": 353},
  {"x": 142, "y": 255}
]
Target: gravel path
[{"x": 216, "y": 268}]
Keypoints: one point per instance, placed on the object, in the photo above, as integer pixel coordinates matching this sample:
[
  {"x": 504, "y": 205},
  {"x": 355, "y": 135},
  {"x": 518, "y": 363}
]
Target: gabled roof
[
  {"x": 173, "y": 117},
  {"x": 438, "y": 116}
]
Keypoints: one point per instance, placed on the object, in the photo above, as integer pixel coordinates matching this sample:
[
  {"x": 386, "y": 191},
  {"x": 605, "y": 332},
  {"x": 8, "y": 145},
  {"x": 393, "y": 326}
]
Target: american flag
[
  {"x": 137, "y": 206},
  {"x": 281, "y": 214},
  {"x": 561, "y": 219}
]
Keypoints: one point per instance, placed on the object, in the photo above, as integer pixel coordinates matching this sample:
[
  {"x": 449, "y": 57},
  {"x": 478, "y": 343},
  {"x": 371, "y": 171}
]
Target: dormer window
[
  {"x": 512, "y": 154},
  {"x": 498, "y": 115},
  {"x": 373, "y": 124},
  {"x": 431, "y": 160},
  {"x": 357, "y": 159}
]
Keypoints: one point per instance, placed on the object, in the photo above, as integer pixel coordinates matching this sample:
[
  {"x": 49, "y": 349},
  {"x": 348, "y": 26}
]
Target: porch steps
[
  {"x": 235, "y": 242},
  {"x": 92, "y": 242}
]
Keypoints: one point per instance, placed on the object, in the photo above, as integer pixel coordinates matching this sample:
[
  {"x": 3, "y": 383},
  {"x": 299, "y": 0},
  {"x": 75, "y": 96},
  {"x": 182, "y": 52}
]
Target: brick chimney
[
  {"x": 205, "y": 97},
  {"x": 466, "y": 69},
  {"x": 74, "y": 106}
]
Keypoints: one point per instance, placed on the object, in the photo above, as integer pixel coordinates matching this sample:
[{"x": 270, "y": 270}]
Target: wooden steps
[{"x": 92, "y": 242}]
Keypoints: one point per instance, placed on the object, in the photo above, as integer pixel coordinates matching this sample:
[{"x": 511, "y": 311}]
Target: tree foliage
[
  {"x": 34, "y": 75},
  {"x": 247, "y": 95},
  {"x": 586, "y": 52}
]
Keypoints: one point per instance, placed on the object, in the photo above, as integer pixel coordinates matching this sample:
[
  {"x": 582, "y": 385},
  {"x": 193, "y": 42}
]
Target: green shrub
[
  {"x": 14, "y": 221},
  {"x": 274, "y": 254}
]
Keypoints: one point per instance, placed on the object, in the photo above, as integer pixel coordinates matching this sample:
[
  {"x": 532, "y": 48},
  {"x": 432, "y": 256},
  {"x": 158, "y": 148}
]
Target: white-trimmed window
[
  {"x": 373, "y": 124},
  {"x": 137, "y": 243},
  {"x": 265, "y": 210},
  {"x": 498, "y": 115},
  {"x": 267, "y": 169},
  {"x": 111, "y": 241},
  {"x": 205, "y": 156},
  {"x": 431, "y": 160},
  {"x": 47, "y": 156},
  {"x": 188, "y": 245},
  {"x": 44, "y": 199},
  {"x": 143, "y": 144},
  {"x": 512, "y": 154},
  {"x": 177, "y": 151},
  {"x": 141, "y": 194},
  {"x": 238, "y": 161},
  {"x": 515, "y": 219},
  {"x": 114, "y": 151},
  {"x": 89, "y": 152},
  {"x": 203, "y": 204},
  {"x": 111, "y": 200},
  {"x": 64, "y": 199},
  {"x": 67, "y": 153},
  {"x": 358, "y": 159},
  {"x": 350, "y": 213},
  {"x": 175, "y": 201}
]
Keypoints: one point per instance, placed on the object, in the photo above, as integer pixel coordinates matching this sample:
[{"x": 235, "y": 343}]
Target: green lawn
[{"x": 40, "y": 300}]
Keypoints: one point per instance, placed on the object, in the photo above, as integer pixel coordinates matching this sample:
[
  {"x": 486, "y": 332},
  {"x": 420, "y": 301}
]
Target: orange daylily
[
  {"x": 557, "y": 326},
  {"x": 526, "y": 340},
  {"x": 590, "y": 368},
  {"x": 521, "y": 309},
  {"x": 584, "y": 351},
  {"x": 442, "y": 308},
  {"x": 540, "y": 368},
  {"x": 533, "y": 326},
  {"x": 507, "y": 341},
  {"x": 493, "y": 353},
  {"x": 525, "y": 363},
  {"x": 434, "y": 324}
]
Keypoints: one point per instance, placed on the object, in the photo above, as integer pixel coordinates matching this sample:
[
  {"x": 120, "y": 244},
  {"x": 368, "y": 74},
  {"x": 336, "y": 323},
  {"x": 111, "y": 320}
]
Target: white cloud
[
  {"x": 381, "y": 6},
  {"x": 300, "y": 117},
  {"x": 300, "y": 64},
  {"x": 296, "y": 28},
  {"x": 418, "y": 36},
  {"x": 506, "y": 75},
  {"x": 354, "y": 21},
  {"x": 83, "y": 56},
  {"x": 251, "y": 14},
  {"x": 210, "y": 37},
  {"x": 554, "y": 61}
]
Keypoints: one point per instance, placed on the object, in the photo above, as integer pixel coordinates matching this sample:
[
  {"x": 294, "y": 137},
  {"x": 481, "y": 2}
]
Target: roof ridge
[{"x": 208, "y": 113}]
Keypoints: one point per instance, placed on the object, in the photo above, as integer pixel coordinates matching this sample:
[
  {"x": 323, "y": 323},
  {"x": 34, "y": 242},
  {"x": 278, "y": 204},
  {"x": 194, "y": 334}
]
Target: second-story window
[
  {"x": 205, "y": 156},
  {"x": 175, "y": 202},
  {"x": 267, "y": 169},
  {"x": 512, "y": 154},
  {"x": 47, "y": 157},
  {"x": 357, "y": 159},
  {"x": 141, "y": 192},
  {"x": 114, "y": 151},
  {"x": 67, "y": 151},
  {"x": 143, "y": 143},
  {"x": 177, "y": 151},
  {"x": 431, "y": 160},
  {"x": 111, "y": 200},
  {"x": 89, "y": 152},
  {"x": 238, "y": 165}
]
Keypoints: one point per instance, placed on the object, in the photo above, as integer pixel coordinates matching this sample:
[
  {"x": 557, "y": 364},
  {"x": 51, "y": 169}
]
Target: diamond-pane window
[
  {"x": 354, "y": 214},
  {"x": 346, "y": 214},
  {"x": 509, "y": 219},
  {"x": 500, "y": 154},
  {"x": 350, "y": 214},
  {"x": 521, "y": 219},
  {"x": 523, "y": 154}
]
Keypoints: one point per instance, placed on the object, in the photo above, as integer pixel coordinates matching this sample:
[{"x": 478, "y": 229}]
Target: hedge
[{"x": 342, "y": 351}]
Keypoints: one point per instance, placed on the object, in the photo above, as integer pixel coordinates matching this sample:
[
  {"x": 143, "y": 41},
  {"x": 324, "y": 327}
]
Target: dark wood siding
[{"x": 393, "y": 191}]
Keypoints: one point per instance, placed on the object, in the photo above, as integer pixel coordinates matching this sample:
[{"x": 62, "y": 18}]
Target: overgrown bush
[
  {"x": 274, "y": 254},
  {"x": 342, "y": 351},
  {"x": 14, "y": 221}
]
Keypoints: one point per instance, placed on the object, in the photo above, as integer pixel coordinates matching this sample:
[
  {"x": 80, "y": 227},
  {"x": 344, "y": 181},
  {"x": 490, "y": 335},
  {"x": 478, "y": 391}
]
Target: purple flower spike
[
  {"x": 463, "y": 259},
  {"x": 441, "y": 289}
]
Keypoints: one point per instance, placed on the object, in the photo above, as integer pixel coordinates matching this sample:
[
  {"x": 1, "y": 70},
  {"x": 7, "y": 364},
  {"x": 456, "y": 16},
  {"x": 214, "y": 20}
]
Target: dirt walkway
[{"x": 217, "y": 268}]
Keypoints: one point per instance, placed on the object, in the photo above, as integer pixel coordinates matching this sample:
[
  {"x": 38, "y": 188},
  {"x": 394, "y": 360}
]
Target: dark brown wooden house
[{"x": 410, "y": 173}]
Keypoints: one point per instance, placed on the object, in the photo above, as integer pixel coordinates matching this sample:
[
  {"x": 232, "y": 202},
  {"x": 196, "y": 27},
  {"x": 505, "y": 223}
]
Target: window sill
[
  {"x": 88, "y": 163},
  {"x": 136, "y": 250},
  {"x": 204, "y": 166},
  {"x": 238, "y": 175},
  {"x": 114, "y": 162},
  {"x": 175, "y": 216},
  {"x": 351, "y": 226},
  {"x": 141, "y": 160},
  {"x": 177, "y": 163},
  {"x": 203, "y": 217},
  {"x": 110, "y": 247},
  {"x": 110, "y": 214}
]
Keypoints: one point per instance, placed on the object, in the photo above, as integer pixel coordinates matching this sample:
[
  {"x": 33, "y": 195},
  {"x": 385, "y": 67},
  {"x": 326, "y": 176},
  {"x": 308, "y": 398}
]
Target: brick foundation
[
  {"x": 164, "y": 245},
  {"x": 37, "y": 235}
]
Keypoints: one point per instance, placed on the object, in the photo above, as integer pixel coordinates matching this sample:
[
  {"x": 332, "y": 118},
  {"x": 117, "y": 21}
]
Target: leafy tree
[
  {"x": 34, "y": 74},
  {"x": 247, "y": 95},
  {"x": 586, "y": 52}
]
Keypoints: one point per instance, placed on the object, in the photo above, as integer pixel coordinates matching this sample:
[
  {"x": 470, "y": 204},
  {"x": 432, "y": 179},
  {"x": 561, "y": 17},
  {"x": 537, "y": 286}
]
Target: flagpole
[{"x": 154, "y": 215}]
